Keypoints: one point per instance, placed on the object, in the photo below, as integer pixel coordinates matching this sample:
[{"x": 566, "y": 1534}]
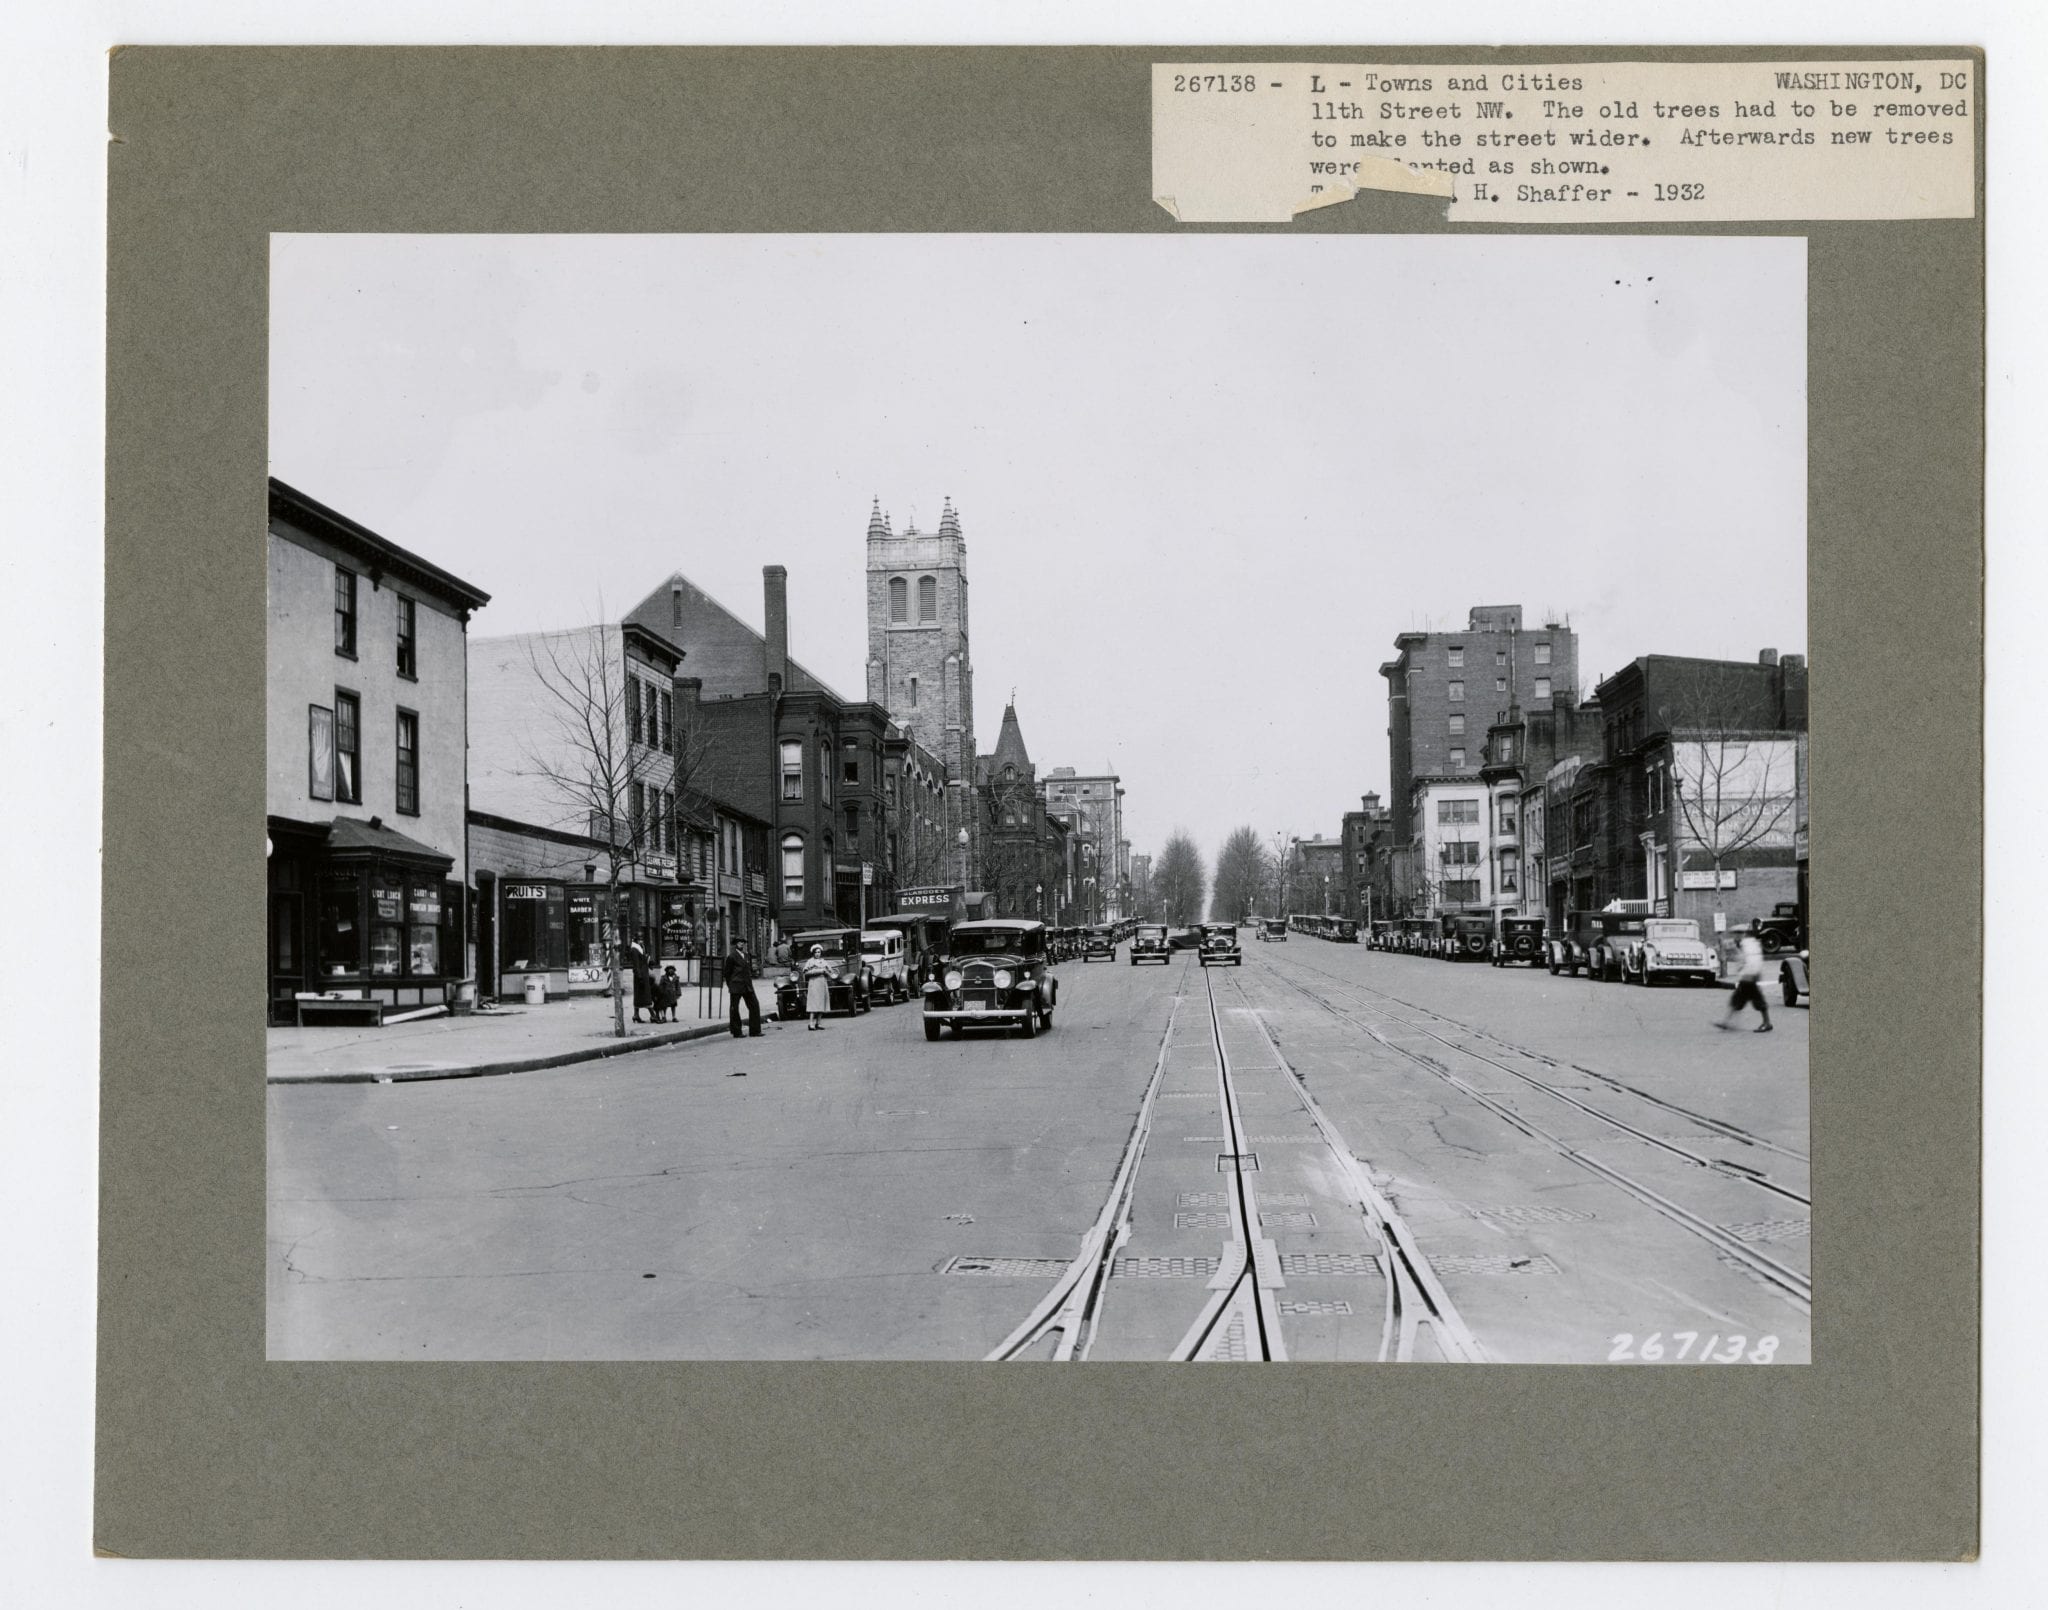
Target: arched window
[
  {"x": 792, "y": 869},
  {"x": 927, "y": 598},
  {"x": 899, "y": 601},
  {"x": 792, "y": 769}
]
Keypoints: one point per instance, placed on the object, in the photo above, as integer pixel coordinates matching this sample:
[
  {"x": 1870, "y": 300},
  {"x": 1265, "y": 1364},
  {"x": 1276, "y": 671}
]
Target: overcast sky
[{"x": 1204, "y": 479}]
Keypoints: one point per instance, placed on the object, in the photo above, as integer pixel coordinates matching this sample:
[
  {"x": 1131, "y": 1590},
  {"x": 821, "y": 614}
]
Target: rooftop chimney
[
  {"x": 1795, "y": 662},
  {"x": 1768, "y": 656},
  {"x": 775, "y": 588}
]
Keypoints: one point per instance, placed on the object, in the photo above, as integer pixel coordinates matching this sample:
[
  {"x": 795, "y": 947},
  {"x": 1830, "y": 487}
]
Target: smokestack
[
  {"x": 775, "y": 588},
  {"x": 1768, "y": 656}
]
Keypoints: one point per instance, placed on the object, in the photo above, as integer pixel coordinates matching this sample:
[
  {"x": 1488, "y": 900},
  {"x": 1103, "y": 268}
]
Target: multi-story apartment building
[
  {"x": 367, "y": 668},
  {"x": 1367, "y": 835},
  {"x": 1521, "y": 751},
  {"x": 1093, "y": 809},
  {"x": 1444, "y": 689}
]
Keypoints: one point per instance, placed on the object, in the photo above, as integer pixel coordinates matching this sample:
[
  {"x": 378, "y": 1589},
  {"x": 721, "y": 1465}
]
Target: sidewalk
[{"x": 505, "y": 1039}]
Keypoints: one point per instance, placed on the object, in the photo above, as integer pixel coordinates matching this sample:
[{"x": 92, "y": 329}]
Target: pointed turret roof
[
  {"x": 949, "y": 520},
  {"x": 1010, "y": 750},
  {"x": 878, "y": 522}
]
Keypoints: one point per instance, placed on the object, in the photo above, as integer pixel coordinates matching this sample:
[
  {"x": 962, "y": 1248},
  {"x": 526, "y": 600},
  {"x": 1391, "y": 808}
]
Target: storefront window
[
  {"x": 534, "y": 927},
  {"x": 387, "y": 926},
  {"x": 340, "y": 925},
  {"x": 585, "y": 932},
  {"x": 423, "y": 929}
]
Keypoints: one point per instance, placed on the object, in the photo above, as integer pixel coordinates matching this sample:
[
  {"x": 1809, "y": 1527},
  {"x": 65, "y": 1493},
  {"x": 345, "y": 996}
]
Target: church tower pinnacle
[{"x": 920, "y": 668}]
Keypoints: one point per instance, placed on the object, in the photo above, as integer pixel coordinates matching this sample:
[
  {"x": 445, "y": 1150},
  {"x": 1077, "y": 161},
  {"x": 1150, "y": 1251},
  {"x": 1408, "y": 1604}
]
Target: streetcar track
[
  {"x": 1727, "y": 1130},
  {"x": 1790, "y": 1283}
]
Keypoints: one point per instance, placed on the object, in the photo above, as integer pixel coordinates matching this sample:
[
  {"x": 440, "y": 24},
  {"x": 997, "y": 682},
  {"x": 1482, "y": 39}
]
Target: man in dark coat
[{"x": 739, "y": 986}]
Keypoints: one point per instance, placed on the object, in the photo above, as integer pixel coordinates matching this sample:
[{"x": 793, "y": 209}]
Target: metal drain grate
[
  {"x": 1771, "y": 1230},
  {"x": 1203, "y": 1140},
  {"x": 1027, "y": 1268},
  {"x": 1201, "y": 1221},
  {"x": 1493, "y": 1264},
  {"x": 1529, "y": 1215},
  {"x": 1229, "y": 1346},
  {"x": 1284, "y": 1199},
  {"x": 1163, "y": 1268},
  {"x": 1283, "y": 1140},
  {"x": 1329, "y": 1263},
  {"x": 1246, "y": 1162},
  {"x": 1313, "y": 1308},
  {"x": 1186, "y": 1095},
  {"x": 1202, "y": 1199},
  {"x": 1288, "y": 1219}
]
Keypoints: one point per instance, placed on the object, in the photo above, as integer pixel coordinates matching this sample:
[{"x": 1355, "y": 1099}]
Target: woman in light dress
[{"x": 818, "y": 992}]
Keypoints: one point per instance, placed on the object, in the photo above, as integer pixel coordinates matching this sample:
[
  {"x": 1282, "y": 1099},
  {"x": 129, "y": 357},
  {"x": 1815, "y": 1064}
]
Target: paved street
[{"x": 1329, "y": 1153}]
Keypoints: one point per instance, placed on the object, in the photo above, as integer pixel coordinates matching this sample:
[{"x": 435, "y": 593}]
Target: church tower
[{"x": 919, "y": 668}]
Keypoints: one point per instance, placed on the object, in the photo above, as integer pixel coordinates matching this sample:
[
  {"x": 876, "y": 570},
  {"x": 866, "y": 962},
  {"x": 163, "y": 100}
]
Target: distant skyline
[{"x": 1204, "y": 479}]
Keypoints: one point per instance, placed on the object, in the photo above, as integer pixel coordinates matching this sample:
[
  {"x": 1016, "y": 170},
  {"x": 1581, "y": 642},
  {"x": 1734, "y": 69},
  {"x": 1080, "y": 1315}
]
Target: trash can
[{"x": 536, "y": 991}]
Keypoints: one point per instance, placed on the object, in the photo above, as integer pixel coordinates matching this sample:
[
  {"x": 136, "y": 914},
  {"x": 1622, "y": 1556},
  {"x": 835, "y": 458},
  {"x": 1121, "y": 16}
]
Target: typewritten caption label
[{"x": 1602, "y": 142}]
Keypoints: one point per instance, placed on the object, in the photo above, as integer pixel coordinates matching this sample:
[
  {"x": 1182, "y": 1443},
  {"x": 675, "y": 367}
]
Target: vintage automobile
[
  {"x": 1273, "y": 930},
  {"x": 1594, "y": 941},
  {"x": 847, "y": 983},
  {"x": 1185, "y": 938},
  {"x": 1099, "y": 940},
  {"x": 1781, "y": 930},
  {"x": 1417, "y": 936},
  {"x": 1792, "y": 979},
  {"x": 888, "y": 966},
  {"x": 1385, "y": 933},
  {"x": 1520, "y": 940},
  {"x": 1464, "y": 936},
  {"x": 1669, "y": 947},
  {"x": 1219, "y": 945},
  {"x": 1343, "y": 930},
  {"x": 1149, "y": 944},
  {"x": 998, "y": 974}
]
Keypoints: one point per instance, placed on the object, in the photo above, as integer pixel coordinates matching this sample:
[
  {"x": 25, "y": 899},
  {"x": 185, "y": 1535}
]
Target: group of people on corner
[{"x": 659, "y": 995}]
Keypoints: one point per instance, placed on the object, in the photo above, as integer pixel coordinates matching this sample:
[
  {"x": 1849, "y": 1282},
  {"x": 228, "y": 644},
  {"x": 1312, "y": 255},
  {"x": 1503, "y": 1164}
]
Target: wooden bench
[{"x": 339, "y": 1009}]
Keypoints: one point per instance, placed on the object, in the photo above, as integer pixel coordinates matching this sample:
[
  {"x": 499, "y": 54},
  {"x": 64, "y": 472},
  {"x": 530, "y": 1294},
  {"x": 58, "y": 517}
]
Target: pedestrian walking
[
  {"x": 739, "y": 986},
  {"x": 818, "y": 991},
  {"x": 643, "y": 979},
  {"x": 1749, "y": 988},
  {"x": 668, "y": 991}
]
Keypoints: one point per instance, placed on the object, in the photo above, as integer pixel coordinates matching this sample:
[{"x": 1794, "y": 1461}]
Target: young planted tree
[
  {"x": 1241, "y": 877},
  {"x": 1180, "y": 880},
  {"x": 604, "y": 745}
]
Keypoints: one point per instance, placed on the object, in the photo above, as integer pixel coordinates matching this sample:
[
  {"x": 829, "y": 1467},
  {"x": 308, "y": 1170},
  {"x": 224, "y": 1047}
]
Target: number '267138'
[{"x": 1678, "y": 1348}]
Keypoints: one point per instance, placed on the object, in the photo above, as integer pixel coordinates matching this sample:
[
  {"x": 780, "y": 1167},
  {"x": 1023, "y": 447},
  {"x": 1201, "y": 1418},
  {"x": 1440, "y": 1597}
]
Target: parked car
[
  {"x": 1792, "y": 979},
  {"x": 1220, "y": 947},
  {"x": 887, "y": 965},
  {"x": 1099, "y": 940},
  {"x": 1782, "y": 929},
  {"x": 1343, "y": 930},
  {"x": 847, "y": 981},
  {"x": 1592, "y": 941},
  {"x": 1464, "y": 936},
  {"x": 1520, "y": 940},
  {"x": 1273, "y": 930},
  {"x": 924, "y": 943},
  {"x": 1149, "y": 944},
  {"x": 997, "y": 974},
  {"x": 1669, "y": 947},
  {"x": 1185, "y": 938}
]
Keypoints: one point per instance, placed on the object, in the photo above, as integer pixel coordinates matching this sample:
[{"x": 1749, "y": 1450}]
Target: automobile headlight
[
  {"x": 1004, "y": 978},
  {"x": 953, "y": 978}
]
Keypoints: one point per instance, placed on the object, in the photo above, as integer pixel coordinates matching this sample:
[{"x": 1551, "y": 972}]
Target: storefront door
[{"x": 287, "y": 953}]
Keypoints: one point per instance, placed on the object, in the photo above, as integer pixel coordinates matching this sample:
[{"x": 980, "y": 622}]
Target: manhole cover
[
  {"x": 1493, "y": 1264},
  {"x": 1163, "y": 1268},
  {"x": 1028, "y": 1268},
  {"x": 1315, "y": 1308},
  {"x": 1201, "y": 1221},
  {"x": 1529, "y": 1215},
  {"x": 1329, "y": 1263},
  {"x": 1771, "y": 1230},
  {"x": 1288, "y": 1219}
]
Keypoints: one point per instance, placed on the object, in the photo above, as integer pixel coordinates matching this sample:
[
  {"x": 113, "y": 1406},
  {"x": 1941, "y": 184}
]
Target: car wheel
[
  {"x": 931, "y": 1028},
  {"x": 1045, "y": 1018},
  {"x": 1029, "y": 1026},
  {"x": 1791, "y": 991},
  {"x": 1551, "y": 963}
]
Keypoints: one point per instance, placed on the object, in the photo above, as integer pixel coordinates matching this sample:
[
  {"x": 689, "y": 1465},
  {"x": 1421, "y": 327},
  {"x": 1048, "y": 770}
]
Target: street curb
[{"x": 488, "y": 1070}]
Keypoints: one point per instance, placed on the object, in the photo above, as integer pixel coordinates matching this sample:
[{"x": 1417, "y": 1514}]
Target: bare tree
[
  {"x": 1732, "y": 768},
  {"x": 1180, "y": 879},
  {"x": 593, "y": 753},
  {"x": 1240, "y": 876}
]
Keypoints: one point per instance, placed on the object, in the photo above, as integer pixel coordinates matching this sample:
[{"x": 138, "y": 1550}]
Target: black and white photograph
[{"x": 1337, "y": 893}]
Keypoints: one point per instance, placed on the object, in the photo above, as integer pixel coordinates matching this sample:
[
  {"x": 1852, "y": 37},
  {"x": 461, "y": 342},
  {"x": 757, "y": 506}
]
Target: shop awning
[{"x": 351, "y": 835}]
